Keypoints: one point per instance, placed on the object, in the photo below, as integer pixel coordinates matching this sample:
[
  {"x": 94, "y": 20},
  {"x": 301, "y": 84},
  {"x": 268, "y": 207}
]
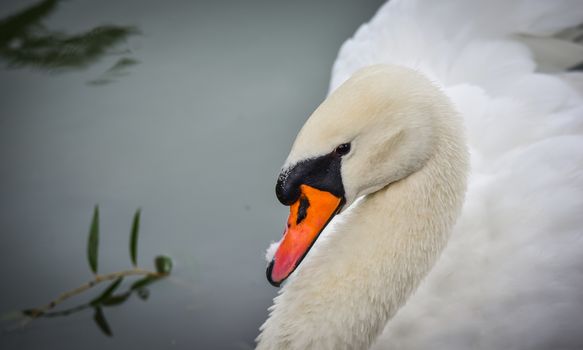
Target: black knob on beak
[
  {"x": 287, "y": 188},
  {"x": 322, "y": 173}
]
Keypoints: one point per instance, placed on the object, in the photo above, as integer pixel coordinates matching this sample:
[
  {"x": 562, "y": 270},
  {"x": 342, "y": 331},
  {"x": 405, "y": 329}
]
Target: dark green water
[{"x": 186, "y": 109}]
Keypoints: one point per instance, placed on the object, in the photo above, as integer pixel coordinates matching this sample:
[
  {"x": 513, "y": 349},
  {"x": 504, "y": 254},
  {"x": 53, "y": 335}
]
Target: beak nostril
[{"x": 302, "y": 209}]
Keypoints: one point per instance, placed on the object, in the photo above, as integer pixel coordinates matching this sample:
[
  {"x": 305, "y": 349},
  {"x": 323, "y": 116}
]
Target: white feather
[{"x": 270, "y": 252}]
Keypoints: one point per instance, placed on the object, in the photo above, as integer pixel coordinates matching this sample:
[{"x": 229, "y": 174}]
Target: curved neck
[{"x": 372, "y": 259}]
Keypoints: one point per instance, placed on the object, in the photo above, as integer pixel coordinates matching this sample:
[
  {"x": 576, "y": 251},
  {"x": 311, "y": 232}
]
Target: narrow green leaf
[
  {"x": 142, "y": 282},
  {"x": 99, "y": 318},
  {"x": 107, "y": 292},
  {"x": 134, "y": 238},
  {"x": 93, "y": 241},
  {"x": 163, "y": 264},
  {"x": 116, "y": 299}
]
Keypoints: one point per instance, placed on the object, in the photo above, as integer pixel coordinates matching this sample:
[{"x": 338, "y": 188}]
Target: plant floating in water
[{"x": 163, "y": 267}]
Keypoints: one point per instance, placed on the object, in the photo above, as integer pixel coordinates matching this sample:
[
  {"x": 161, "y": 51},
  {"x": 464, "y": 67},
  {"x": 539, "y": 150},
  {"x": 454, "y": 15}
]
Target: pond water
[{"x": 185, "y": 109}]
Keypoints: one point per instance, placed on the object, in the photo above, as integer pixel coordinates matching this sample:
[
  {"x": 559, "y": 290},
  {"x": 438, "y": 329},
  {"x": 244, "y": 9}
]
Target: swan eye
[{"x": 342, "y": 149}]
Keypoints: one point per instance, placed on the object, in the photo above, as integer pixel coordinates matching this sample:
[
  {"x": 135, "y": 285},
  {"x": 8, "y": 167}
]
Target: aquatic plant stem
[{"x": 36, "y": 312}]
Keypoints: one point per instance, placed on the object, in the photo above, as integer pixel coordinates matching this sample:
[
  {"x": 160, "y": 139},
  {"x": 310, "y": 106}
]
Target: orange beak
[{"x": 308, "y": 216}]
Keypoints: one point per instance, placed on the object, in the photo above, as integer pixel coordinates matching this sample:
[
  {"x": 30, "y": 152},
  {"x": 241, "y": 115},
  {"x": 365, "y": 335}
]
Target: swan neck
[{"x": 372, "y": 258}]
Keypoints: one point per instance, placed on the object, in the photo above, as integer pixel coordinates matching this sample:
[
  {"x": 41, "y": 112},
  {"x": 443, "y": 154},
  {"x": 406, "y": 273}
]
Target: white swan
[{"x": 387, "y": 147}]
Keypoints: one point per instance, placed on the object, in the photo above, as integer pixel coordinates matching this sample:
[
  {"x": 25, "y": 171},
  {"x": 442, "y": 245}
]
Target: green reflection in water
[
  {"x": 26, "y": 42},
  {"x": 119, "y": 69}
]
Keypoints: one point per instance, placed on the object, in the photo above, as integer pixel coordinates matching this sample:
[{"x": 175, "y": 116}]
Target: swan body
[{"x": 459, "y": 83}]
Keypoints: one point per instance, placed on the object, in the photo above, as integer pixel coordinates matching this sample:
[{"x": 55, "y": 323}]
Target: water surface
[{"x": 188, "y": 114}]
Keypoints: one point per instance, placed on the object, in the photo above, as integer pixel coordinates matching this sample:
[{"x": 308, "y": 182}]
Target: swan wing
[{"x": 512, "y": 274}]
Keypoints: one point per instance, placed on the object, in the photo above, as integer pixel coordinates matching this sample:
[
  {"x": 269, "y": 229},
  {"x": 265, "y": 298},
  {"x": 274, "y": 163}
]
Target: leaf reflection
[{"x": 26, "y": 42}]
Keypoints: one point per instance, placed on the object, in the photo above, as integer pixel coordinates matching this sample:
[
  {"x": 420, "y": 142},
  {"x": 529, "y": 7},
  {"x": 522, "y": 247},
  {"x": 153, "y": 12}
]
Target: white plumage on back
[{"x": 511, "y": 276}]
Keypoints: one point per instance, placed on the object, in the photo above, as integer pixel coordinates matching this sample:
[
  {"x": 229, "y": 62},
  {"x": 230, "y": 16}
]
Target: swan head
[{"x": 375, "y": 129}]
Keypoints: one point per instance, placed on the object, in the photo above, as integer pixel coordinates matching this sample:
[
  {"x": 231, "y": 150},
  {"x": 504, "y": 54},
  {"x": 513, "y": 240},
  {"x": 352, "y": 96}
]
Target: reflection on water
[
  {"x": 26, "y": 42},
  {"x": 195, "y": 136},
  {"x": 119, "y": 69}
]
